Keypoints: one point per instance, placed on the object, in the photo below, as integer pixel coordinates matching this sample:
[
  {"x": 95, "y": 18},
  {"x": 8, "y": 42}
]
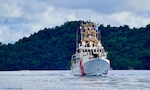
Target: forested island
[{"x": 51, "y": 48}]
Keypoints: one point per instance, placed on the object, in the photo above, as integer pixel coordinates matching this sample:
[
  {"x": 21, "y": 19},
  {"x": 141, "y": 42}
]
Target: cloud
[
  {"x": 9, "y": 9},
  {"x": 9, "y": 36},
  {"x": 20, "y": 18},
  {"x": 138, "y": 5},
  {"x": 126, "y": 18}
]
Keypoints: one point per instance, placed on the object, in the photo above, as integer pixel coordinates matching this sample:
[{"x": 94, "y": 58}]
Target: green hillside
[{"x": 51, "y": 48}]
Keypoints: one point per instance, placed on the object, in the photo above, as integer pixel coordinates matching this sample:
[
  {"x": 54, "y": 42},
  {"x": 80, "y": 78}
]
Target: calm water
[{"x": 63, "y": 80}]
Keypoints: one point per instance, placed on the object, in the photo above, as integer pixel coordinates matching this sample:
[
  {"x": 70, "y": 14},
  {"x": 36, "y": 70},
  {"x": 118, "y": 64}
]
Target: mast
[{"x": 77, "y": 41}]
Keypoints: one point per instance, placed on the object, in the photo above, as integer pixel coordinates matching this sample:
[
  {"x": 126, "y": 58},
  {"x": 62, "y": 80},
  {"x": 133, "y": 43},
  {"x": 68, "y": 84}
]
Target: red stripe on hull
[{"x": 81, "y": 68}]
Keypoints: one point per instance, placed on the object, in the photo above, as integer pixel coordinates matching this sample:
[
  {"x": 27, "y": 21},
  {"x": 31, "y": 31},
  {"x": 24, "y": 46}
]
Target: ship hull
[{"x": 94, "y": 66}]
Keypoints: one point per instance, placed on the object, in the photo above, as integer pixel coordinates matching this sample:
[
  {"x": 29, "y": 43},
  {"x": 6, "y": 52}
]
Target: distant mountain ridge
[{"x": 51, "y": 48}]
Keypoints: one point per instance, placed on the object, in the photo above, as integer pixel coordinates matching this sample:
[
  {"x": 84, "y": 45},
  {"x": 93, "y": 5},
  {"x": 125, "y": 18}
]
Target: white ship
[{"x": 90, "y": 57}]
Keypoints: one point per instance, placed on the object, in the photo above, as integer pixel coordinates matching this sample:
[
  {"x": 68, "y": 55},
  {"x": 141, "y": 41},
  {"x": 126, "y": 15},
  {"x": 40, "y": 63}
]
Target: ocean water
[{"x": 64, "y": 80}]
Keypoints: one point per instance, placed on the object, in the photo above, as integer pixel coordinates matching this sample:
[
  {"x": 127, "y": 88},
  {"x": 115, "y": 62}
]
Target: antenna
[
  {"x": 89, "y": 18},
  {"x": 76, "y": 40},
  {"x": 99, "y": 36}
]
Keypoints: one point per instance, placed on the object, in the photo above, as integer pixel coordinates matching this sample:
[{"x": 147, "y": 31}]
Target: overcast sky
[{"x": 21, "y": 18}]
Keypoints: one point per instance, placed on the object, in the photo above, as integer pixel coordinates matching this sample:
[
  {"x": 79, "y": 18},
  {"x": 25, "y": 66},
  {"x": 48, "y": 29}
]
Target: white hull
[{"x": 94, "y": 66}]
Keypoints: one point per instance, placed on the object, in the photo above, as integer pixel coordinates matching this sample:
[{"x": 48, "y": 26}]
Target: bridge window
[
  {"x": 94, "y": 50},
  {"x": 100, "y": 50},
  {"x": 97, "y": 50},
  {"x": 85, "y": 50}
]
